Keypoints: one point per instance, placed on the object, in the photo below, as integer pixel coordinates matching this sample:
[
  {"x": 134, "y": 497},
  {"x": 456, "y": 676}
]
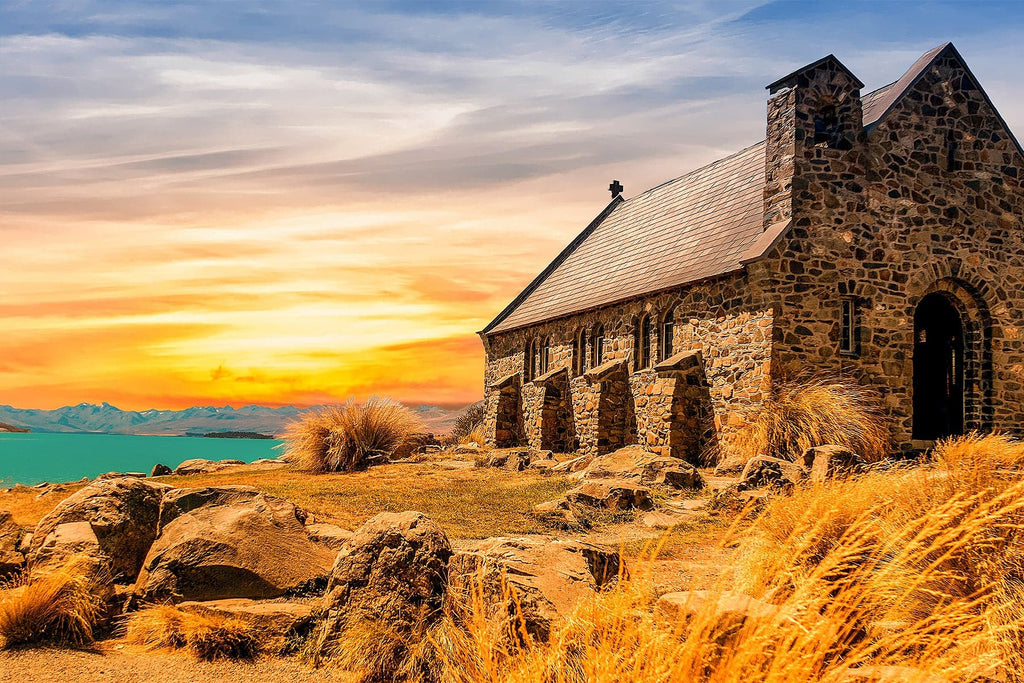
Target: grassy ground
[{"x": 467, "y": 503}]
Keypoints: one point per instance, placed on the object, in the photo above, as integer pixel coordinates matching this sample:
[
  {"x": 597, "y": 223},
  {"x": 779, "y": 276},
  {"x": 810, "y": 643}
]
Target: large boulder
[
  {"x": 230, "y": 542},
  {"x": 530, "y": 583},
  {"x": 113, "y": 520},
  {"x": 633, "y": 462},
  {"x": 614, "y": 495},
  {"x": 394, "y": 570},
  {"x": 160, "y": 470},
  {"x": 11, "y": 559},
  {"x": 830, "y": 462}
]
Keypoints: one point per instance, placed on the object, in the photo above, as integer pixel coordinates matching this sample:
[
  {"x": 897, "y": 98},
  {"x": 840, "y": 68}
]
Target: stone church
[{"x": 873, "y": 236}]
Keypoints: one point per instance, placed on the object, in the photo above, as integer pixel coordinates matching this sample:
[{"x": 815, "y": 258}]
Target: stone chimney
[{"x": 814, "y": 113}]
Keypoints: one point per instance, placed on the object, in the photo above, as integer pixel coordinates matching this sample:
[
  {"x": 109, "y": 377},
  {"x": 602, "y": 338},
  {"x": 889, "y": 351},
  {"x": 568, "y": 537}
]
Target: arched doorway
[{"x": 938, "y": 369}]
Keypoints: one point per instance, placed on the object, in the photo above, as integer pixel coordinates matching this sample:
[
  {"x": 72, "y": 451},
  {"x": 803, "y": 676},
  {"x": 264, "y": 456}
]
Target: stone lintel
[
  {"x": 606, "y": 370},
  {"x": 507, "y": 380},
  {"x": 684, "y": 361},
  {"x": 556, "y": 376}
]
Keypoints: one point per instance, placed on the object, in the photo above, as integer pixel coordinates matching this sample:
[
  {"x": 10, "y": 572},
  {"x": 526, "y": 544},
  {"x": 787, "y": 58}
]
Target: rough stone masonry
[{"x": 875, "y": 237}]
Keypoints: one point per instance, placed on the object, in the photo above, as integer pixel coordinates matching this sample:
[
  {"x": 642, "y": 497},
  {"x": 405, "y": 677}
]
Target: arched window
[
  {"x": 579, "y": 353},
  {"x": 545, "y": 351},
  {"x": 528, "y": 357},
  {"x": 644, "y": 358},
  {"x": 668, "y": 326},
  {"x": 597, "y": 346}
]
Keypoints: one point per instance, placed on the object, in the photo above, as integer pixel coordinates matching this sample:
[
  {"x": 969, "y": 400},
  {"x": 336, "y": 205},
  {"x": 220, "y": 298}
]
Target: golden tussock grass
[
  {"x": 206, "y": 637},
  {"x": 918, "y": 570},
  {"x": 347, "y": 437},
  {"x": 61, "y": 606},
  {"x": 818, "y": 411}
]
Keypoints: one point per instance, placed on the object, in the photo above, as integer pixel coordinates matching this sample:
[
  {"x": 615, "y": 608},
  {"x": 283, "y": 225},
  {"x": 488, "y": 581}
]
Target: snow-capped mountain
[{"x": 107, "y": 419}]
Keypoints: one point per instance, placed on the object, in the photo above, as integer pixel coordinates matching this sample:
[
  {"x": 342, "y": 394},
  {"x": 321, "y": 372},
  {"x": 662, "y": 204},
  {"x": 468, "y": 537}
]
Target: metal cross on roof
[{"x": 616, "y": 188}]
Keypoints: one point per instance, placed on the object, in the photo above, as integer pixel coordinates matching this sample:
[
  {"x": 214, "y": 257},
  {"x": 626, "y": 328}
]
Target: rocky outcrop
[
  {"x": 614, "y": 495},
  {"x": 113, "y": 520},
  {"x": 230, "y": 542},
  {"x": 160, "y": 470},
  {"x": 11, "y": 559},
  {"x": 392, "y": 571},
  {"x": 530, "y": 583},
  {"x": 722, "y": 615}
]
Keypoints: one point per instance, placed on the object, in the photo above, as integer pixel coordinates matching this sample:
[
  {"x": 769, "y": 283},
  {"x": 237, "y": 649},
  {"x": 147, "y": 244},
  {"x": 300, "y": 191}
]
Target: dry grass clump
[
  {"x": 348, "y": 437},
  {"x": 819, "y": 411},
  {"x": 62, "y": 606},
  {"x": 206, "y": 637}
]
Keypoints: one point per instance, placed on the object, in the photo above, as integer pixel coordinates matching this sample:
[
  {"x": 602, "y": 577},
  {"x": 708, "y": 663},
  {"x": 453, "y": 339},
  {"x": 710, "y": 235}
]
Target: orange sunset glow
[{"x": 295, "y": 207}]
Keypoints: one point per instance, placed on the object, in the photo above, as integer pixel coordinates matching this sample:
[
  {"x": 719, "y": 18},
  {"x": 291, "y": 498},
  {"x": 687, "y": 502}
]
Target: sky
[{"x": 209, "y": 203}]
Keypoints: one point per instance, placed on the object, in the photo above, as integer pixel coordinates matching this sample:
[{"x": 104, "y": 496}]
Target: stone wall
[
  {"x": 928, "y": 200},
  {"x": 718, "y": 318}
]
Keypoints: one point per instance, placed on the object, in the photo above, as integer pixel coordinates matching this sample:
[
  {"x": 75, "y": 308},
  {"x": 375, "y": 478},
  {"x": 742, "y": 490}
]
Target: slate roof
[{"x": 703, "y": 224}]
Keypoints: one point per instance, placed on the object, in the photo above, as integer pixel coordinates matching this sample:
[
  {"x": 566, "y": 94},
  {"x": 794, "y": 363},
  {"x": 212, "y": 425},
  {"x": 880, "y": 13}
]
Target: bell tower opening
[{"x": 938, "y": 369}]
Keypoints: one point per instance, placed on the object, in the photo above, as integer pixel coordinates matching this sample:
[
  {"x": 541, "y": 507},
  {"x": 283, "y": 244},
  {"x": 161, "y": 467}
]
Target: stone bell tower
[{"x": 814, "y": 117}]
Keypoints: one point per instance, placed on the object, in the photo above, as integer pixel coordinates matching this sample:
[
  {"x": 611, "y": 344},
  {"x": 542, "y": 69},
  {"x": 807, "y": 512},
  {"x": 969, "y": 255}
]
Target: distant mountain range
[{"x": 108, "y": 419}]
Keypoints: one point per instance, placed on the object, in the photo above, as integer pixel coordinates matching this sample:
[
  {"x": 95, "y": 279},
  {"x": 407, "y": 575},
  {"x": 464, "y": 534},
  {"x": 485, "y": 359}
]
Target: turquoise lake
[{"x": 37, "y": 457}]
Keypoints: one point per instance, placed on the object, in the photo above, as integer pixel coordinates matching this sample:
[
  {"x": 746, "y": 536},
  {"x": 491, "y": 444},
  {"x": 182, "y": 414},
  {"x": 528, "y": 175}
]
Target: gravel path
[{"x": 107, "y": 663}]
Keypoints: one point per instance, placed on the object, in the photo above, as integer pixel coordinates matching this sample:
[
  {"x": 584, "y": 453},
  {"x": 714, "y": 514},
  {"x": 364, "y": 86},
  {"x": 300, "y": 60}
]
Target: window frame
[
  {"x": 597, "y": 345},
  {"x": 667, "y": 332},
  {"x": 848, "y": 326}
]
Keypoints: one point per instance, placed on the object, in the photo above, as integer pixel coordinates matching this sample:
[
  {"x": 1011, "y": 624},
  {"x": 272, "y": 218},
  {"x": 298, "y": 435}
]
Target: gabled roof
[{"x": 704, "y": 224}]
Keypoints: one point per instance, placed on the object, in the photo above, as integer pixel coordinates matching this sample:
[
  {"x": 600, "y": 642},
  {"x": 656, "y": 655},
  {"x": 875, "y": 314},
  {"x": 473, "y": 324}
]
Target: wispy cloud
[{"x": 287, "y": 201}]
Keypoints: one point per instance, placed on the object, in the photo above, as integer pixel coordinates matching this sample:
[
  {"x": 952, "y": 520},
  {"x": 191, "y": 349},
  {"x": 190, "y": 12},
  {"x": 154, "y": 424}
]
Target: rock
[
  {"x": 830, "y": 462},
  {"x": 633, "y": 462},
  {"x": 559, "y": 514},
  {"x": 392, "y": 572},
  {"x": 611, "y": 494},
  {"x": 575, "y": 464},
  {"x": 417, "y": 443},
  {"x": 681, "y": 478},
  {"x": 160, "y": 470},
  {"x": 765, "y": 471},
  {"x": 731, "y": 466},
  {"x": 268, "y": 461},
  {"x": 334, "y": 537},
  {"x": 497, "y": 459},
  {"x": 467, "y": 449},
  {"x": 544, "y": 465},
  {"x": 202, "y": 466},
  {"x": 230, "y": 542},
  {"x": 122, "y": 516},
  {"x": 279, "y": 618},
  {"x": 12, "y": 561},
  {"x": 547, "y": 577},
  {"x": 722, "y": 615},
  {"x": 518, "y": 461}
]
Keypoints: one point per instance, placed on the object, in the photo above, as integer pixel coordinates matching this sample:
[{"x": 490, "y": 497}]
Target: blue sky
[{"x": 293, "y": 201}]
